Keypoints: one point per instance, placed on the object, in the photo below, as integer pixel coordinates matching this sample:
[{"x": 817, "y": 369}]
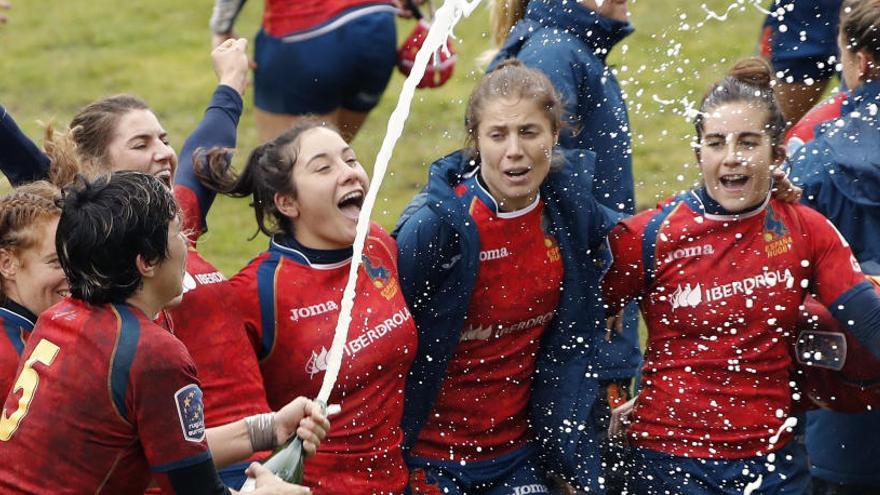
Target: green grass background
[{"x": 56, "y": 56}]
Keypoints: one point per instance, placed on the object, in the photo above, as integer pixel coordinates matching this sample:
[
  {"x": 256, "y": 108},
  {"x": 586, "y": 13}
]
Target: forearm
[{"x": 229, "y": 443}]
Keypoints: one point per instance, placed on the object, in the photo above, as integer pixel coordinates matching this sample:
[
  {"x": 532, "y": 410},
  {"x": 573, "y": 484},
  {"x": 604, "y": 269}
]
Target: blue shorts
[
  {"x": 328, "y": 67},
  {"x": 233, "y": 475},
  {"x": 802, "y": 42},
  {"x": 514, "y": 473},
  {"x": 656, "y": 473}
]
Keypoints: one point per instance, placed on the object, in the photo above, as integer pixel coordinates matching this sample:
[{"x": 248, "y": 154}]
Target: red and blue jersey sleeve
[
  {"x": 256, "y": 311},
  {"x": 163, "y": 400},
  {"x": 217, "y": 129},
  {"x": 835, "y": 269},
  {"x": 627, "y": 277}
]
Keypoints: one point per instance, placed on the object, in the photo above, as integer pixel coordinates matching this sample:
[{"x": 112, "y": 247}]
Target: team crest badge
[
  {"x": 552, "y": 248},
  {"x": 191, "y": 412},
  {"x": 777, "y": 237},
  {"x": 380, "y": 275}
]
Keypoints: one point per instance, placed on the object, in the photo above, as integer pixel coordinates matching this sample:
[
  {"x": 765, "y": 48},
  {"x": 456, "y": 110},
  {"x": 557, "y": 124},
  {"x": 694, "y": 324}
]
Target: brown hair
[
  {"x": 512, "y": 79},
  {"x": 267, "y": 172},
  {"x": 21, "y": 211},
  {"x": 503, "y": 14},
  {"x": 82, "y": 148},
  {"x": 749, "y": 81},
  {"x": 860, "y": 26}
]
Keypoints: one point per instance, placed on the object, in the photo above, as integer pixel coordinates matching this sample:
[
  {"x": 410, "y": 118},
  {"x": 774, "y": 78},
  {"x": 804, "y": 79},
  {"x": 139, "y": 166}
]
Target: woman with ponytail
[
  {"x": 720, "y": 273},
  {"x": 307, "y": 188},
  {"x": 31, "y": 279}
]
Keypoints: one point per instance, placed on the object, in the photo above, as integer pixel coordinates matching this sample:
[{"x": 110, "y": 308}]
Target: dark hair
[
  {"x": 82, "y": 148},
  {"x": 512, "y": 79},
  {"x": 860, "y": 26},
  {"x": 749, "y": 81},
  {"x": 268, "y": 171},
  {"x": 21, "y": 211},
  {"x": 105, "y": 225}
]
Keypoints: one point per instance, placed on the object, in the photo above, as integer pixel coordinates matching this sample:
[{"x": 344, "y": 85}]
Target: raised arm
[
  {"x": 21, "y": 160},
  {"x": 223, "y": 17},
  {"x": 218, "y": 128}
]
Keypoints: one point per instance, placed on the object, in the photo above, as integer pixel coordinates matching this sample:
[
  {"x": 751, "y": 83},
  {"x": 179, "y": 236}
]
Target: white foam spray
[
  {"x": 789, "y": 423},
  {"x": 445, "y": 19}
]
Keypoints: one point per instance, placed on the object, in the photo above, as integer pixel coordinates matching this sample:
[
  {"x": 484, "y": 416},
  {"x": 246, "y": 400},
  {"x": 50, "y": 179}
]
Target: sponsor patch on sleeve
[{"x": 191, "y": 412}]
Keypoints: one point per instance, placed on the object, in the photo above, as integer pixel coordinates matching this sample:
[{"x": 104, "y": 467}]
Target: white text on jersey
[{"x": 313, "y": 310}]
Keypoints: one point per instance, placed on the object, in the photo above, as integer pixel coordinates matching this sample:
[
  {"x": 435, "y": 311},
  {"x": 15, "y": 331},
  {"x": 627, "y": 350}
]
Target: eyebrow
[
  {"x": 146, "y": 135},
  {"x": 326, "y": 155},
  {"x": 723, "y": 135}
]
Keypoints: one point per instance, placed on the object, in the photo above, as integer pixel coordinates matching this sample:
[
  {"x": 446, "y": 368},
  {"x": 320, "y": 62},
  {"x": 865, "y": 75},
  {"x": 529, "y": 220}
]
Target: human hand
[
  {"x": 4, "y": 5},
  {"x": 620, "y": 418},
  {"x": 269, "y": 484},
  {"x": 304, "y": 417},
  {"x": 613, "y": 324},
  {"x": 231, "y": 63},
  {"x": 784, "y": 189}
]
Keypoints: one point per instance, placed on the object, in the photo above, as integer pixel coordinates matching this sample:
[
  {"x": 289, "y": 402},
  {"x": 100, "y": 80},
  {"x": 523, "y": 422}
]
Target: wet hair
[
  {"x": 503, "y": 14},
  {"x": 268, "y": 172},
  {"x": 749, "y": 81},
  {"x": 860, "y": 26},
  {"x": 105, "y": 224},
  {"x": 21, "y": 212},
  {"x": 512, "y": 79},
  {"x": 82, "y": 148}
]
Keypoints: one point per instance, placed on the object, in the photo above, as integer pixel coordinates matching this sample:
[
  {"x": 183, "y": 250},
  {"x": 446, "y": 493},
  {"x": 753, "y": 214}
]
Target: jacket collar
[
  {"x": 598, "y": 32},
  {"x": 13, "y": 311},
  {"x": 863, "y": 95}
]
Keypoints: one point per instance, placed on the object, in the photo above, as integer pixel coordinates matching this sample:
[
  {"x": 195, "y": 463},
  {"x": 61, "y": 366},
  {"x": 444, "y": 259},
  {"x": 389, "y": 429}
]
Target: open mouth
[
  {"x": 351, "y": 203},
  {"x": 735, "y": 182},
  {"x": 63, "y": 293},
  {"x": 517, "y": 172},
  {"x": 165, "y": 177}
]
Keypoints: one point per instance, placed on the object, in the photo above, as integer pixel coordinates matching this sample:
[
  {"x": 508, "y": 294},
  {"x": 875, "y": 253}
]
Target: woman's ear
[
  {"x": 145, "y": 268},
  {"x": 8, "y": 264},
  {"x": 285, "y": 204}
]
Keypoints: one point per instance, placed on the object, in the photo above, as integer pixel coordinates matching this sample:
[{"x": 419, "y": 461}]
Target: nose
[
  {"x": 163, "y": 153},
  {"x": 514, "y": 147},
  {"x": 732, "y": 154},
  {"x": 349, "y": 174}
]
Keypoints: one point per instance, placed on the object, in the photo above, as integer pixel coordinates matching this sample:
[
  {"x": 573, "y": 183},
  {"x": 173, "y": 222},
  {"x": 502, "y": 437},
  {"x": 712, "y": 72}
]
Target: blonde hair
[{"x": 503, "y": 14}]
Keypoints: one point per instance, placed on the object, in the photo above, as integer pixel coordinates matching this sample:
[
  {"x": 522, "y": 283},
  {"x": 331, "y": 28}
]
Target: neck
[{"x": 148, "y": 304}]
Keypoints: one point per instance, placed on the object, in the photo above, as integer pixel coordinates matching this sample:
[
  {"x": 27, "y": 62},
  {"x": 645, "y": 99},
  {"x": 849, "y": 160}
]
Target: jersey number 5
[{"x": 27, "y": 382}]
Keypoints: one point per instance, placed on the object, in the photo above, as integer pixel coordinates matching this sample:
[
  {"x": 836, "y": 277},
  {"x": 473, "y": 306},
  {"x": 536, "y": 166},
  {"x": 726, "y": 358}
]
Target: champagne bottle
[{"x": 286, "y": 461}]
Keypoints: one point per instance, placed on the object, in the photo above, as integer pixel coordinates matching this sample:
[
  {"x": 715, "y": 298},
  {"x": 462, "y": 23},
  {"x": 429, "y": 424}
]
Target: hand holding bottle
[
  {"x": 304, "y": 417},
  {"x": 267, "y": 483}
]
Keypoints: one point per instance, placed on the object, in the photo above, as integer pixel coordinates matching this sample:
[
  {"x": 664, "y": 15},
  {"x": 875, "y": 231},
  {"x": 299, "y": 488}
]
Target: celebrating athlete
[
  {"x": 122, "y": 133},
  {"x": 495, "y": 262},
  {"x": 101, "y": 379},
  {"x": 307, "y": 187},
  {"x": 720, "y": 273},
  {"x": 31, "y": 279}
]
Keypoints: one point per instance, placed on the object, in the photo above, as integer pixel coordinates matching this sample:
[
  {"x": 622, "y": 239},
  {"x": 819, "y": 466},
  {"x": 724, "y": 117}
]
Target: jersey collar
[
  {"x": 312, "y": 258},
  {"x": 700, "y": 201},
  {"x": 482, "y": 192},
  {"x": 16, "y": 313}
]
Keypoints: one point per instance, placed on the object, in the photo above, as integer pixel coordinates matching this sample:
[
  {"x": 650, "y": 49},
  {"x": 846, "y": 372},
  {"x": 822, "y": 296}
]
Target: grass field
[{"x": 55, "y": 56}]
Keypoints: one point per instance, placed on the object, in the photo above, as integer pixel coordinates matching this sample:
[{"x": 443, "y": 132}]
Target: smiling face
[
  {"x": 33, "y": 276},
  {"x": 736, "y": 156},
  {"x": 140, "y": 144},
  {"x": 515, "y": 141},
  {"x": 617, "y": 10},
  {"x": 330, "y": 186}
]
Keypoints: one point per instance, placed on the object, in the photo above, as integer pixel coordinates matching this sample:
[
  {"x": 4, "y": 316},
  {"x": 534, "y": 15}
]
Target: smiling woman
[
  {"x": 31, "y": 279},
  {"x": 308, "y": 187}
]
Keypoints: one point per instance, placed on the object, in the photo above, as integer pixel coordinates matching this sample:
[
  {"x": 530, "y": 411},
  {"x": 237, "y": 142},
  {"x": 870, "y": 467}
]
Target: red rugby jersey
[
  {"x": 215, "y": 336},
  {"x": 291, "y": 306},
  {"x": 481, "y": 411},
  {"x": 282, "y": 17},
  {"x": 16, "y": 327},
  {"x": 805, "y": 129},
  {"x": 103, "y": 397},
  {"x": 720, "y": 295}
]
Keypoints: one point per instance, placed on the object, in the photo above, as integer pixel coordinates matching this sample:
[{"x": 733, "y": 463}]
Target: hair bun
[{"x": 752, "y": 70}]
